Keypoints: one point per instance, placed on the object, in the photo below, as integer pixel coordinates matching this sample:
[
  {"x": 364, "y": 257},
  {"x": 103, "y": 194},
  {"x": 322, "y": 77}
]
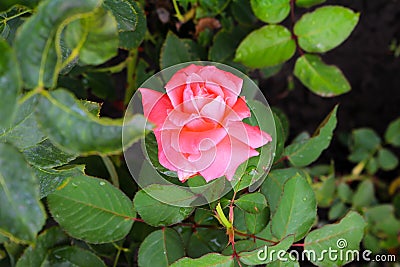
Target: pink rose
[{"x": 199, "y": 128}]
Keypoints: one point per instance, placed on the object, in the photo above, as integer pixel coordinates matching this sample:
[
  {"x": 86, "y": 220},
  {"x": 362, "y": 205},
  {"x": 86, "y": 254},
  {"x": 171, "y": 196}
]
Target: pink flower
[{"x": 199, "y": 128}]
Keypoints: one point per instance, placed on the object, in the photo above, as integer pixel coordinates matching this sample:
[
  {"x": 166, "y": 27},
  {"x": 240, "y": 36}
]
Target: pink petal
[
  {"x": 230, "y": 154},
  {"x": 192, "y": 141},
  {"x": 215, "y": 110},
  {"x": 230, "y": 83},
  {"x": 155, "y": 105},
  {"x": 238, "y": 112},
  {"x": 250, "y": 135}
]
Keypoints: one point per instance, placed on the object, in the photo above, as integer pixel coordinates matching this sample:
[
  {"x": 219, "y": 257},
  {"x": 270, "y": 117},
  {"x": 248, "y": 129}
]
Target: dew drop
[{"x": 102, "y": 183}]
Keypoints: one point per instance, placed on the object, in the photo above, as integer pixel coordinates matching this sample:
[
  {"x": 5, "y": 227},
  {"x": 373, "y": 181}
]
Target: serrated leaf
[
  {"x": 70, "y": 126},
  {"x": 307, "y": 151},
  {"x": 271, "y": 11},
  {"x": 175, "y": 51},
  {"x": 47, "y": 155},
  {"x": 38, "y": 40},
  {"x": 91, "y": 209},
  {"x": 325, "y": 28},
  {"x": 387, "y": 160},
  {"x": 296, "y": 211},
  {"x": 392, "y": 134},
  {"x": 308, "y": 3},
  {"x": 131, "y": 22},
  {"x": 252, "y": 203},
  {"x": 343, "y": 236},
  {"x": 322, "y": 79},
  {"x": 268, "y": 46},
  {"x": 157, "y": 213},
  {"x": 50, "y": 179},
  {"x": 161, "y": 248},
  {"x": 10, "y": 83},
  {"x": 73, "y": 256},
  {"x": 21, "y": 213},
  {"x": 36, "y": 255},
  {"x": 208, "y": 260},
  {"x": 264, "y": 254},
  {"x": 24, "y": 122}
]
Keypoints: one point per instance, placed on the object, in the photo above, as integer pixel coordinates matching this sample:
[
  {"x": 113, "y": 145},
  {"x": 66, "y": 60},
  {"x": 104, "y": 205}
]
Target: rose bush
[{"x": 199, "y": 128}]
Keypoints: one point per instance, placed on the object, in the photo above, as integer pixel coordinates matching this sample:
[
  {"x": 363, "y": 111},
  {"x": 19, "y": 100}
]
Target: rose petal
[
  {"x": 194, "y": 142},
  {"x": 250, "y": 135},
  {"x": 238, "y": 112},
  {"x": 155, "y": 105},
  {"x": 214, "y": 110},
  {"x": 230, "y": 154},
  {"x": 230, "y": 83}
]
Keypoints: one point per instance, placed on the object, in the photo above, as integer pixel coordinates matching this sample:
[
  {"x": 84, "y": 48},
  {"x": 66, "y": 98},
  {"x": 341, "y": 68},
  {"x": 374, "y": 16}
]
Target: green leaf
[
  {"x": 101, "y": 85},
  {"x": 364, "y": 195},
  {"x": 287, "y": 262},
  {"x": 325, "y": 28},
  {"x": 205, "y": 241},
  {"x": 265, "y": 254},
  {"x": 325, "y": 192},
  {"x": 252, "y": 203},
  {"x": 364, "y": 144},
  {"x": 10, "y": 83},
  {"x": 131, "y": 22},
  {"x": 70, "y": 126},
  {"x": 322, "y": 79},
  {"x": 382, "y": 221},
  {"x": 24, "y": 122},
  {"x": 345, "y": 193},
  {"x": 272, "y": 188},
  {"x": 74, "y": 256},
  {"x": 86, "y": 34},
  {"x": 225, "y": 43},
  {"x": 256, "y": 222},
  {"x": 36, "y": 255},
  {"x": 50, "y": 179},
  {"x": 337, "y": 210},
  {"x": 161, "y": 248},
  {"x": 268, "y": 46},
  {"x": 387, "y": 160},
  {"x": 21, "y": 213},
  {"x": 175, "y": 51},
  {"x": 308, "y": 3},
  {"x": 392, "y": 134},
  {"x": 38, "y": 40},
  {"x": 208, "y": 260},
  {"x": 343, "y": 236},
  {"x": 271, "y": 11},
  {"x": 157, "y": 213},
  {"x": 241, "y": 11},
  {"x": 47, "y": 155},
  {"x": 307, "y": 151},
  {"x": 296, "y": 211},
  {"x": 210, "y": 8},
  {"x": 91, "y": 209}
]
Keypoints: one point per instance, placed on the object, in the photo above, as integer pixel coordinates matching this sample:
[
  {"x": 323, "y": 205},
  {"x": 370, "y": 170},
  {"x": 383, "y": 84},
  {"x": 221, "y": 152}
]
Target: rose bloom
[{"x": 199, "y": 128}]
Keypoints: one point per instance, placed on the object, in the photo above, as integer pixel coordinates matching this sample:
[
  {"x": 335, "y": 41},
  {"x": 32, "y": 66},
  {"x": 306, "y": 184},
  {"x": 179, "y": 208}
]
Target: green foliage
[{"x": 59, "y": 151}]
